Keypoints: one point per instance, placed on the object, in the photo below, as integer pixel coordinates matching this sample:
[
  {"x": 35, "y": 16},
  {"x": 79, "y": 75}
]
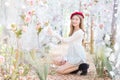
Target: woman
[{"x": 76, "y": 53}]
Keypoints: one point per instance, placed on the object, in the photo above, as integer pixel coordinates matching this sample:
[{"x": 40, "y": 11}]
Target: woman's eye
[{"x": 73, "y": 19}]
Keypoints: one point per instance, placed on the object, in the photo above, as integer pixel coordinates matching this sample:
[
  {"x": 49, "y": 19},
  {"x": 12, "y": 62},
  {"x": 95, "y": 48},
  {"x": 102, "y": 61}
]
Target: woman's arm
[{"x": 72, "y": 38}]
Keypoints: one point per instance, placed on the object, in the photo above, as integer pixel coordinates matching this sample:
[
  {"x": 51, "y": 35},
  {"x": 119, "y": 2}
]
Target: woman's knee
[{"x": 58, "y": 61}]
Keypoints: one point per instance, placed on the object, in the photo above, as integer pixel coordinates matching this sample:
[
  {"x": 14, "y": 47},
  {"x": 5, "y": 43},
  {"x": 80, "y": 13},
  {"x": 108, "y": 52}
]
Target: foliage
[
  {"x": 13, "y": 67},
  {"x": 18, "y": 64},
  {"x": 18, "y": 31},
  {"x": 101, "y": 62},
  {"x": 40, "y": 65}
]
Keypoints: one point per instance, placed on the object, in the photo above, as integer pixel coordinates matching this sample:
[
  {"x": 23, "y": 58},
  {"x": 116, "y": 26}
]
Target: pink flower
[
  {"x": 21, "y": 70},
  {"x": 107, "y": 11},
  {"x": 90, "y": 4},
  {"x": 85, "y": 5},
  {"x": 27, "y": 18},
  {"x": 30, "y": 2},
  {"x": 24, "y": 28},
  {"x": 2, "y": 59},
  {"x": 31, "y": 12},
  {"x": 87, "y": 14},
  {"x": 38, "y": 26},
  {"x": 11, "y": 69},
  {"x": 22, "y": 78},
  {"x": 101, "y": 26},
  {"x": 93, "y": 23}
]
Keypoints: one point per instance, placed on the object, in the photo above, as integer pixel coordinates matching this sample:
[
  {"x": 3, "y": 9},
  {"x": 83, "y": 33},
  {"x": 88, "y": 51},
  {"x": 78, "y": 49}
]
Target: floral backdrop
[{"x": 23, "y": 25}]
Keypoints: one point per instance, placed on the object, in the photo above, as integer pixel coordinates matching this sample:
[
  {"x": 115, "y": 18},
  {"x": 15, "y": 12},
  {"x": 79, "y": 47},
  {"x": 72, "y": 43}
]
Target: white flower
[
  {"x": 107, "y": 37},
  {"x": 116, "y": 46},
  {"x": 107, "y": 54},
  {"x": 108, "y": 51},
  {"x": 112, "y": 73},
  {"x": 23, "y": 7},
  {"x": 118, "y": 62},
  {"x": 112, "y": 57},
  {"x": 7, "y": 4}
]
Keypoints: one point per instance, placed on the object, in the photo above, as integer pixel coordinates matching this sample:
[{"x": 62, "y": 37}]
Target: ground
[{"x": 60, "y": 50}]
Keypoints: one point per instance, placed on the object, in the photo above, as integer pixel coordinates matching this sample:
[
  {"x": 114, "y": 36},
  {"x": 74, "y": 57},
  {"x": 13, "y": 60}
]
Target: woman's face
[{"x": 75, "y": 21}]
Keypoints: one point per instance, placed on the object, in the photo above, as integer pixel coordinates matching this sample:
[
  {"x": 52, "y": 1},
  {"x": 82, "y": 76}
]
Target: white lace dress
[{"x": 76, "y": 53}]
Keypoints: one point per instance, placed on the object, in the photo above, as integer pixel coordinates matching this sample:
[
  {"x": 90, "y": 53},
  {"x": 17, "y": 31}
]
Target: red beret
[{"x": 77, "y": 13}]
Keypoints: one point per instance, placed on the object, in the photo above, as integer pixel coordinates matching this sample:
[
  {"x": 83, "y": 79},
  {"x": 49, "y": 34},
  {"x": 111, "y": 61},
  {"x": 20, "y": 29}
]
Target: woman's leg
[
  {"x": 66, "y": 68},
  {"x": 59, "y": 61}
]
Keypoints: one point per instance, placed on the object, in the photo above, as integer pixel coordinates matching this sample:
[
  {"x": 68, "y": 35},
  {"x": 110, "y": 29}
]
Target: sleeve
[{"x": 70, "y": 39}]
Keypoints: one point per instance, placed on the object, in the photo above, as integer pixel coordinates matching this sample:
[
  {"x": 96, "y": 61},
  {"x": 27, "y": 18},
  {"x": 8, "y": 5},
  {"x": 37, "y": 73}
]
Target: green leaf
[
  {"x": 18, "y": 33},
  {"x": 38, "y": 65},
  {"x": 26, "y": 70},
  {"x": 39, "y": 30},
  {"x": 46, "y": 66},
  {"x": 40, "y": 77},
  {"x": 22, "y": 17}
]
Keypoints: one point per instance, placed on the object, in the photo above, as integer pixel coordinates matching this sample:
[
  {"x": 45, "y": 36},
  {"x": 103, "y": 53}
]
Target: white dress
[{"x": 76, "y": 53}]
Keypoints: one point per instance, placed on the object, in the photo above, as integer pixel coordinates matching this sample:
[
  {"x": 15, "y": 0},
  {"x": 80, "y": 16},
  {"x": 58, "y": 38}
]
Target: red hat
[{"x": 77, "y": 13}]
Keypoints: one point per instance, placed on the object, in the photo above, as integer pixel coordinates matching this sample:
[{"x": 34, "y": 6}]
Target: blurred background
[{"x": 22, "y": 22}]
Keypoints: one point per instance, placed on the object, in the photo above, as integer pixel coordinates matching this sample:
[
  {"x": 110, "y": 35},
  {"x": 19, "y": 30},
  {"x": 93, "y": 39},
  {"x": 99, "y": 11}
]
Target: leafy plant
[
  {"x": 12, "y": 68},
  {"x": 101, "y": 62},
  {"x": 16, "y": 30},
  {"x": 40, "y": 65}
]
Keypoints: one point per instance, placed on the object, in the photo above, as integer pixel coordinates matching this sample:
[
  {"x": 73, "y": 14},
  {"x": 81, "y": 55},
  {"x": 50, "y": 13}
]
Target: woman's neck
[{"x": 75, "y": 29}]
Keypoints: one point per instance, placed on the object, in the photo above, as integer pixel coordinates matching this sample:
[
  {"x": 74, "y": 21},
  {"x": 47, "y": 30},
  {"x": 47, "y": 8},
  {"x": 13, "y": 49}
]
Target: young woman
[{"x": 76, "y": 53}]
